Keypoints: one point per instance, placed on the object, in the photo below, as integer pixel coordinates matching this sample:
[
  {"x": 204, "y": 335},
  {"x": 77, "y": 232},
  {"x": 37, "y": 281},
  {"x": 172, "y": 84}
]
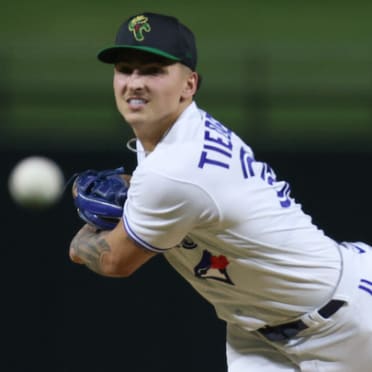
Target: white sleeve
[{"x": 160, "y": 212}]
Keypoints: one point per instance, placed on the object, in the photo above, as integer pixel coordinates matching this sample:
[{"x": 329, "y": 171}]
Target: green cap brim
[{"x": 111, "y": 54}]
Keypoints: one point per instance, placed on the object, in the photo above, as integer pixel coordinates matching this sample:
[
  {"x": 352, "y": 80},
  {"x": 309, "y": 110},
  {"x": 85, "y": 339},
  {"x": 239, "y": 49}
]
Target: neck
[
  {"x": 150, "y": 134},
  {"x": 150, "y": 140}
]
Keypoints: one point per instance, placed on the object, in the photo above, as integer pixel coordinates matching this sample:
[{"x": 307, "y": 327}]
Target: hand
[{"x": 87, "y": 247}]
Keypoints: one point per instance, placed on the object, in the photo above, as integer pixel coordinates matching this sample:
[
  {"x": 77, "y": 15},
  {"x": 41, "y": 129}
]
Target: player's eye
[
  {"x": 145, "y": 69},
  {"x": 124, "y": 69},
  {"x": 152, "y": 70}
]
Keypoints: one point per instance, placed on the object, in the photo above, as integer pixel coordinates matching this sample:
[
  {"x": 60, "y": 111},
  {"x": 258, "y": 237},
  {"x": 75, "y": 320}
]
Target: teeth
[{"x": 136, "y": 101}]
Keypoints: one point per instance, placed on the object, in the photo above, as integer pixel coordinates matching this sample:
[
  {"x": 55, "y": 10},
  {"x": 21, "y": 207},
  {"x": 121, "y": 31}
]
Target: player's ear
[{"x": 191, "y": 84}]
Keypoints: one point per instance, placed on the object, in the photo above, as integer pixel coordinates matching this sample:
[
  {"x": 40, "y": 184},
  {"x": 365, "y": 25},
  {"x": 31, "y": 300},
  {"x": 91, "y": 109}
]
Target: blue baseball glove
[{"x": 99, "y": 197}]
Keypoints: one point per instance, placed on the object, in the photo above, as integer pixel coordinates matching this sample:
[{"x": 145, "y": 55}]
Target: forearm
[
  {"x": 89, "y": 247},
  {"x": 109, "y": 253}
]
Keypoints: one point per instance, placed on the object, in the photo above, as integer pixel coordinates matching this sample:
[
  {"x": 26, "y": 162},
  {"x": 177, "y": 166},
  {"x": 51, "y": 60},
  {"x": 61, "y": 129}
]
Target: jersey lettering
[
  {"x": 266, "y": 173},
  {"x": 217, "y": 148},
  {"x": 365, "y": 285}
]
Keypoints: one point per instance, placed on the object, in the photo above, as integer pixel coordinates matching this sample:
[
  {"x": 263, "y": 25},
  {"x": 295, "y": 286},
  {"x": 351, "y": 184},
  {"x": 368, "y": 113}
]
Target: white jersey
[{"x": 229, "y": 226}]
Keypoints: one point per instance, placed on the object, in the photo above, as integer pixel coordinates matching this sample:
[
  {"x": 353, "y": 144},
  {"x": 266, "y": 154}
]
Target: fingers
[{"x": 74, "y": 189}]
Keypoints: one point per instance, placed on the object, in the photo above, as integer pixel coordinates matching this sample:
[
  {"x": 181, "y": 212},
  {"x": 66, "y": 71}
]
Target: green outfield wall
[{"x": 284, "y": 75}]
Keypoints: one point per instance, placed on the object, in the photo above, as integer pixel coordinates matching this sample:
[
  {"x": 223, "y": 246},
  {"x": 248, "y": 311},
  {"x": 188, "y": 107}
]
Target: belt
[{"x": 286, "y": 331}]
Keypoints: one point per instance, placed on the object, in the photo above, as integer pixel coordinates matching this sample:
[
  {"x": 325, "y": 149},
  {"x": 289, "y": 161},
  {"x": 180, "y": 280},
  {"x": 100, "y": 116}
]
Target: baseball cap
[{"x": 158, "y": 34}]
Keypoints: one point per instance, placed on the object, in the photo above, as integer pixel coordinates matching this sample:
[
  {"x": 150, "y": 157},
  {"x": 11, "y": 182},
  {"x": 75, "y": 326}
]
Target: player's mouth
[{"x": 136, "y": 103}]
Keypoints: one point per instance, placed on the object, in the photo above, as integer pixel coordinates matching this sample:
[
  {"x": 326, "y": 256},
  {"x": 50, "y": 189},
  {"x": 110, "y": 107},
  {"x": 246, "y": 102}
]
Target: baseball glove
[{"x": 99, "y": 196}]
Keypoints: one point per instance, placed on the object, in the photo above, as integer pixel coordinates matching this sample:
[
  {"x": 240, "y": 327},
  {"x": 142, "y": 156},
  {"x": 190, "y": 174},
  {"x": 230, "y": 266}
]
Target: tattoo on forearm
[{"x": 90, "y": 246}]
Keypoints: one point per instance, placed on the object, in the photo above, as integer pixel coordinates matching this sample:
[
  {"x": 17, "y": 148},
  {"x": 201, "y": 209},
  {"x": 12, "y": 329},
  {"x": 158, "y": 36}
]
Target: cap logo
[{"x": 138, "y": 25}]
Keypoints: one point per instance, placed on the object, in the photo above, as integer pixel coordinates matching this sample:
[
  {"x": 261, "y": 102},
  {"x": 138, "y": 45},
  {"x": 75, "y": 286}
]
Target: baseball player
[{"x": 293, "y": 299}]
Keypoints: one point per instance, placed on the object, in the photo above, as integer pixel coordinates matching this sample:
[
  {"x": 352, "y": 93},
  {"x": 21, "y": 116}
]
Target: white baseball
[{"x": 36, "y": 181}]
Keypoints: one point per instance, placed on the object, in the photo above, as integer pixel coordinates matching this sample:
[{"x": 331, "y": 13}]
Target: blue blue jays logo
[{"x": 213, "y": 267}]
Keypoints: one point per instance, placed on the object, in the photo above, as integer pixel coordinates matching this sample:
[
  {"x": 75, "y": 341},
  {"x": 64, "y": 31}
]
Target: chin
[{"x": 134, "y": 118}]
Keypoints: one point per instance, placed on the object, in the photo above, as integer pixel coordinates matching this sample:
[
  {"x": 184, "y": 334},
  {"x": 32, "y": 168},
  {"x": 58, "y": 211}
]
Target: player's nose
[{"x": 135, "y": 79}]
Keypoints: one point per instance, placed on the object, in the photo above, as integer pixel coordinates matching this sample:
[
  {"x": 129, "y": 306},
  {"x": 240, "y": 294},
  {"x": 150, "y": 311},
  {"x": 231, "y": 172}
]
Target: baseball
[{"x": 36, "y": 182}]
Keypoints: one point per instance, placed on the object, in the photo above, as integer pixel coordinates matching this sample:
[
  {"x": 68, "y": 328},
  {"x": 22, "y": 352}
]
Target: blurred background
[{"x": 293, "y": 79}]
